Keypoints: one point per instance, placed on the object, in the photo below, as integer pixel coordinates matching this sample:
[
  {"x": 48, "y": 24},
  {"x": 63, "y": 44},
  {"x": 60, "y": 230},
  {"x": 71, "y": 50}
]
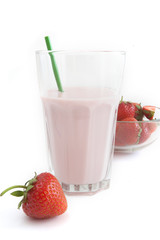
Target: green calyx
[
  {"x": 139, "y": 115},
  {"x": 138, "y": 106},
  {"x": 139, "y": 112},
  {"x": 18, "y": 193},
  {"x": 149, "y": 113}
]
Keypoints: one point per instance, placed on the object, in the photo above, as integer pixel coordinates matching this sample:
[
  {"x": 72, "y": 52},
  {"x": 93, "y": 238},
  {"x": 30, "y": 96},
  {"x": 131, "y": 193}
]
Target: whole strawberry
[
  {"x": 127, "y": 132},
  {"x": 43, "y": 196},
  {"x": 125, "y": 110}
]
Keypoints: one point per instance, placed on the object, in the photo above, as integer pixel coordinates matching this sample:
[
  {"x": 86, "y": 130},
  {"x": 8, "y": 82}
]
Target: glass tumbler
[{"x": 80, "y": 121}]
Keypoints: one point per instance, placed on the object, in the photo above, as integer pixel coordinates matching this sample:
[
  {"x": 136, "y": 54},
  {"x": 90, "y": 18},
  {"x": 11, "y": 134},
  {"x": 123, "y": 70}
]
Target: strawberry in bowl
[{"x": 137, "y": 126}]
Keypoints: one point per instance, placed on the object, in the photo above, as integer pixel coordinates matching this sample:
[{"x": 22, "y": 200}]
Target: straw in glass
[{"x": 54, "y": 66}]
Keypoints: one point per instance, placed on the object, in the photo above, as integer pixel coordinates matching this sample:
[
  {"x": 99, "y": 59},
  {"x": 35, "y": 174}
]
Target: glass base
[{"x": 85, "y": 188}]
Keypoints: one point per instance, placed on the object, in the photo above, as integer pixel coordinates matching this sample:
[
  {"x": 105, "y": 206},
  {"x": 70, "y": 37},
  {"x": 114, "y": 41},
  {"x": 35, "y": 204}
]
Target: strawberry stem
[
  {"x": 10, "y": 188},
  {"x": 26, "y": 188},
  {"x": 121, "y": 99}
]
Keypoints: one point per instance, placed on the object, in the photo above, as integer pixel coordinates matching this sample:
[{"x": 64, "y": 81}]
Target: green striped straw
[{"x": 54, "y": 66}]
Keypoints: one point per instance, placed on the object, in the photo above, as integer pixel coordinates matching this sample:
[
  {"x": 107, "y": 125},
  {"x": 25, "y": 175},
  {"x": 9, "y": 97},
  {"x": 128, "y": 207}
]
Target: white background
[{"x": 130, "y": 209}]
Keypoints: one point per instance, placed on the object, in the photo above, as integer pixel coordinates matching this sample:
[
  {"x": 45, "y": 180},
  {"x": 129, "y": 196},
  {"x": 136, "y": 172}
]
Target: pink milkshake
[{"x": 80, "y": 123}]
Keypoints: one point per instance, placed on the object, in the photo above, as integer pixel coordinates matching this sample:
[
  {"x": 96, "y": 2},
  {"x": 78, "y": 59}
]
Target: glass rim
[{"x": 81, "y": 51}]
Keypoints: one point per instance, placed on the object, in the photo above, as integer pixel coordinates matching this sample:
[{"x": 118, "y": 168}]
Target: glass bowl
[{"x": 135, "y": 135}]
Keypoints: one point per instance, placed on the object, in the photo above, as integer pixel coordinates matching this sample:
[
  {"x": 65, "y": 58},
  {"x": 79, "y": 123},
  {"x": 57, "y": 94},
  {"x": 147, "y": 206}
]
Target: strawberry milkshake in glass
[{"x": 80, "y": 121}]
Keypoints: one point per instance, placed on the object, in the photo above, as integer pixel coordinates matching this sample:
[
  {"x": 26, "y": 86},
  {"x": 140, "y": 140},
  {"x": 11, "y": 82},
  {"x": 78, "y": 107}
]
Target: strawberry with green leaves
[
  {"x": 43, "y": 196},
  {"x": 129, "y": 109},
  {"x": 149, "y": 112}
]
